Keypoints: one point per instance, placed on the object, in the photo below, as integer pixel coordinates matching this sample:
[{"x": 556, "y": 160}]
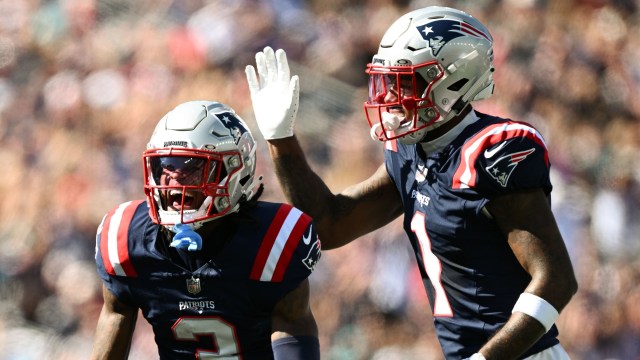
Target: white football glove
[{"x": 275, "y": 96}]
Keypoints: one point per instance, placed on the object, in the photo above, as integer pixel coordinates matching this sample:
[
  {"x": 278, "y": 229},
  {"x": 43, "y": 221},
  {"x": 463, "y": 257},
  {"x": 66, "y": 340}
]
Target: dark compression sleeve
[{"x": 296, "y": 348}]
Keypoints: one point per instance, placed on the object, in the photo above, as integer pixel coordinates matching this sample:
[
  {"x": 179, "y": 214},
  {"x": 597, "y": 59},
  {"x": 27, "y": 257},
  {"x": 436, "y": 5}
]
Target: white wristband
[{"x": 537, "y": 308}]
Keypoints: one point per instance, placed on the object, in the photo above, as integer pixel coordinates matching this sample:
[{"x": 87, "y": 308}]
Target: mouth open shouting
[
  {"x": 186, "y": 188},
  {"x": 183, "y": 200},
  {"x": 182, "y": 178}
]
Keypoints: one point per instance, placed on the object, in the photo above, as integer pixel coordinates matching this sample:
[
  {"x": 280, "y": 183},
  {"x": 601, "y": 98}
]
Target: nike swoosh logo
[
  {"x": 307, "y": 239},
  {"x": 489, "y": 153}
]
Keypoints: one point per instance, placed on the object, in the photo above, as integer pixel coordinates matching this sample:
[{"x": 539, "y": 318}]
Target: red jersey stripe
[
  {"x": 268, "y": 241},
  {"x": 290, "y": 247},
  {"x": 114, "y": 239},
  {"x": 123, "y": 238},
  {"x": 104, "y": 242},
  {"x": 465, "y": 175}
]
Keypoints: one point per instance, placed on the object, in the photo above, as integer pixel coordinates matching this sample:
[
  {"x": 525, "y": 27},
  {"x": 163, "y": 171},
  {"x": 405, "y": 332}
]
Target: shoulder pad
[
  {"x": 282, "y": 244},
  {"x": 492, "y": 156},
  {"x": 113, "y": 239}
]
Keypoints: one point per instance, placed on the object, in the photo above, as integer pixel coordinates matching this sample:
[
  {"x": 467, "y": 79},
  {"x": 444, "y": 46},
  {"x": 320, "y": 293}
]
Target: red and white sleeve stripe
[
  {"x": 114, "y": 239},
  {"x": 279, "y": 244},
  {"x": 465, "y": 175}
]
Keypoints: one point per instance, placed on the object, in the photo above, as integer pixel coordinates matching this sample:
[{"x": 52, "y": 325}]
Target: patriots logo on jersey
[
  {"x": 502, "y": 168},
  {"x": 439, "y": 32},
  {"x": 313, "y": 256},
  {"x": 236, "y": 128}
]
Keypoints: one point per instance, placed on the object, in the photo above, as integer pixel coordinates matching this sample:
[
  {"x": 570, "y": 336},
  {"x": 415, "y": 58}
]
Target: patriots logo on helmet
[
  {"x": 235, "y": 126},
  {"x": 439, "y": 32},
  {"x": 502, "y": 168},
  {"x": 313, "y": 256}
]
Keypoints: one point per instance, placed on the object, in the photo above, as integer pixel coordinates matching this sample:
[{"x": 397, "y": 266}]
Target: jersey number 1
[{"x": 432, "y": 265}]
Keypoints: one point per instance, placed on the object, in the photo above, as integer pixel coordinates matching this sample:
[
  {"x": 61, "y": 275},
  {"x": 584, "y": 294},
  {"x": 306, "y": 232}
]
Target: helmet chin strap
[{"x": 253, "y": 187}]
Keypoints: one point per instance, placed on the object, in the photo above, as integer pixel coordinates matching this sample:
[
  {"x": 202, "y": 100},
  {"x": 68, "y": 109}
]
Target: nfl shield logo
[{"x": 193, "y": 285}]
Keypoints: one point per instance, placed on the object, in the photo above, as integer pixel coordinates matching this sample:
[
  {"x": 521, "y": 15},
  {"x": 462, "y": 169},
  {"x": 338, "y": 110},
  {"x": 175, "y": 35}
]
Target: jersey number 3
[
  {"x": 223, "y": 334},
  {"x": 432, "y": 265}
]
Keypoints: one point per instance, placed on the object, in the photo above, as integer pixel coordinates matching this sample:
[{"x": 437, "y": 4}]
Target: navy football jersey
[
  {"x": 207, "y": 305},
  {"x": 471, "y": 275}
]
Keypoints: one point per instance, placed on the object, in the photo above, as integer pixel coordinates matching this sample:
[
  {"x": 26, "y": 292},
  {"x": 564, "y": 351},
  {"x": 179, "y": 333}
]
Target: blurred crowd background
[{"x": 83, "y": 82}]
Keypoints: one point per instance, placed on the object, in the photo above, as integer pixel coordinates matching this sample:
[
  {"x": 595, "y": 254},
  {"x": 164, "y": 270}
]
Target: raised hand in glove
[{"x": 275, "y": 95}]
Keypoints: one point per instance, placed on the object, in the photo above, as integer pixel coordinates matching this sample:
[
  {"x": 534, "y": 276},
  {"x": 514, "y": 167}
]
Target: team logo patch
[
  {"x": 235, "y": 126},
  {"x": 313, "y": 256},
  {"x": 438, "y": 33},
  {"x": 502, "y": 168},
  {"x": 193, "y": 285}
]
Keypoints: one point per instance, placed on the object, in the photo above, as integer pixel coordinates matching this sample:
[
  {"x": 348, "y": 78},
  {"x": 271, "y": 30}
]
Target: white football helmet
[
  {"x": 430, "y": 64},
  {"x": 199, "y": 164}
]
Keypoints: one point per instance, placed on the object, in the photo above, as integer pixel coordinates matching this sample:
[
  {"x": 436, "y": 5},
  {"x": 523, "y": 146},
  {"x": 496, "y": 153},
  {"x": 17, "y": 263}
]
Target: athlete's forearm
[
  {"x": 340, "y": 218},
  {"x": 300, "y": 184},
  {"x": 515, "y": 337},
  {"x": 537, "y": 244},
  {"x": 113, "y": 336},
  {"x": 115, "y": 328}
]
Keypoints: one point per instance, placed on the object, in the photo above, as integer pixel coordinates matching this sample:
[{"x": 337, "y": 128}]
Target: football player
[
  {"x": 216, "y": 272},
  {"x": 473, "y": 189}
]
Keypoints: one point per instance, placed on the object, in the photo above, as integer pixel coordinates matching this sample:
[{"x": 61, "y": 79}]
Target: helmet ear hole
[
  {"x": 244, "y": 180},
  {"x": 456, "y": 86}
]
